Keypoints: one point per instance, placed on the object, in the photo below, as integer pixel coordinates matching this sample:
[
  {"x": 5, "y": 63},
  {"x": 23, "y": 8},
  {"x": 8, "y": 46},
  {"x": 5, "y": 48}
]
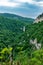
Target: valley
[{"x": 21, "y": 40}]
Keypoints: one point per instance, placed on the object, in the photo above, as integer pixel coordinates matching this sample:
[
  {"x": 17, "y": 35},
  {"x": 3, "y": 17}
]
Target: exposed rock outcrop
[{"x": 39, "y": 18}]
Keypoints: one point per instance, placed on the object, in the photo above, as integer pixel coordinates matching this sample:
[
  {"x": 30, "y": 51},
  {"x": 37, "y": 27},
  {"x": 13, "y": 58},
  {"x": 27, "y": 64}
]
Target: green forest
[{"x": 21, "y": 41}]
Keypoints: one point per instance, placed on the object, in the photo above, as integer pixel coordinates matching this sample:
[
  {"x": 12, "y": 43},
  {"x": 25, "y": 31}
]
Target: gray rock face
[
  {"x": 34, "y": 42},
  {"x": 39, "y": 18}
]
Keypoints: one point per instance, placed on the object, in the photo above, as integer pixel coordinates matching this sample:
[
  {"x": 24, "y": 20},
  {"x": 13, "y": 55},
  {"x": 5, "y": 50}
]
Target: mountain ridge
[{"x": 14, "y": 16}]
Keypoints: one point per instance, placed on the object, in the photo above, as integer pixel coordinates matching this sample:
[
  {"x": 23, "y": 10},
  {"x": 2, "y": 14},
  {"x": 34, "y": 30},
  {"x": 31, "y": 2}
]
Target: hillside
[
  {"x": 17, "y": 17},
  {"x": 9, "y": 29},
  {"x": 34, "y": 33},
  {"x": 13, "y": 35}
]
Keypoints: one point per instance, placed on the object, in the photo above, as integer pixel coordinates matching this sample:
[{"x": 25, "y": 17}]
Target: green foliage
[
  {"x": 22, "y": 58},
  {"x": 12, "y": 35},
  {"x": 5, "y": 53},
  {"x": 37, "y": 58}
]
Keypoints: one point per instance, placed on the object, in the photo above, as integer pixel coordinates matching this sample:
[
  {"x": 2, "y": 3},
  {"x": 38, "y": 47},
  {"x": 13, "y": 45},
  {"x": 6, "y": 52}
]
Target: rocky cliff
[{"x": 39, "y": 18}]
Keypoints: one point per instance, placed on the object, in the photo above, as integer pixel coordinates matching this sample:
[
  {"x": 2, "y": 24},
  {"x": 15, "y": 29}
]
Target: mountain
[
  {"x": 11, "y": 27},
  {"x": 11, "y": 33},
  {"x": 39, "y": 18},
  {"x": 21, "y": 37},
  {"x": 17, "y": 17}
]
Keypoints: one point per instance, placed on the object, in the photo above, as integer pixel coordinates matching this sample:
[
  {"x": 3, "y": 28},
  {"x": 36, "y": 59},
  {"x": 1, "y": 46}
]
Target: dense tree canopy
[{"x": 12, "y": 35}]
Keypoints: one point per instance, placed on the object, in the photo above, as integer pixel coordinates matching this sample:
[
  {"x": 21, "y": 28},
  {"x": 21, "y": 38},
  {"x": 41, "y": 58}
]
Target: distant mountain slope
[{"x": 17, "y": 17}]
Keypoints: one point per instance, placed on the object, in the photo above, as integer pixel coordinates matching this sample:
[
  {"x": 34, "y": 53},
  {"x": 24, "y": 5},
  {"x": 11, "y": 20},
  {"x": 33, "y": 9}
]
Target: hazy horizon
[{"x": 25, "y": 8}]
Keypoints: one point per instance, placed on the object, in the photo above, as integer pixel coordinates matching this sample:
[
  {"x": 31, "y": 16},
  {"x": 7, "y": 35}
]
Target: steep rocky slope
[{"x": 39, "y": 18}]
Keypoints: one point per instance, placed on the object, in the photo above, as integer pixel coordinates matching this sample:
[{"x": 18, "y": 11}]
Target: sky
[{"x": 25, "y": 8}]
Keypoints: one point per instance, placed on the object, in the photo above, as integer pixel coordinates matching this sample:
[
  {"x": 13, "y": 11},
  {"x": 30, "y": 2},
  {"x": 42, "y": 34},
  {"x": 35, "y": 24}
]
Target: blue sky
[{"x": 26, "y": 8}]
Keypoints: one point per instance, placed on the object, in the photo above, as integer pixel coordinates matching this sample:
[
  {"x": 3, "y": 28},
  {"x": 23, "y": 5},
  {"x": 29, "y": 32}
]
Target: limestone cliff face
[{"x": 39, "y": 18}]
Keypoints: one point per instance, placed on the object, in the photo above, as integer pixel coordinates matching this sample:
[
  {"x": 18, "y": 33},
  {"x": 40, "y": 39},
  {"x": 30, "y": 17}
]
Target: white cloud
[
  {"x": 16, "y": 3},
  {"x": 7, "y": 3},
  {"x": 25, "y": 1},
  {"x": 4, "y": 0},
  {"x": 40, "y": 3}
]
